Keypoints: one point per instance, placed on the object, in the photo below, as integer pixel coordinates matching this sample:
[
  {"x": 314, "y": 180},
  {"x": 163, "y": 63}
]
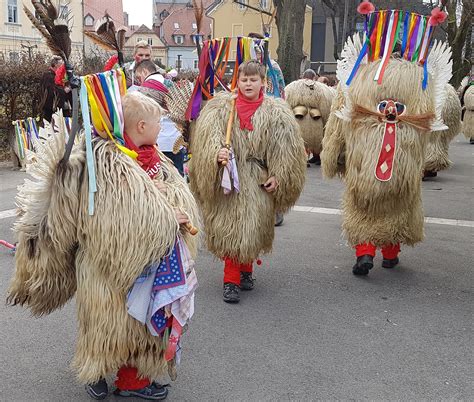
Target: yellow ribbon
[
  {"x": 99, "y": 122},
  {"x": 378, "y": 42}
]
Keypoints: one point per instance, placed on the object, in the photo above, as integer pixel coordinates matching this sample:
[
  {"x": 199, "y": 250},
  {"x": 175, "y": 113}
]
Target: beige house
[
  {"x": 232, "y": 19},
  {"x": 18, "y": 37},
  {"x": 143, "y": 33}
]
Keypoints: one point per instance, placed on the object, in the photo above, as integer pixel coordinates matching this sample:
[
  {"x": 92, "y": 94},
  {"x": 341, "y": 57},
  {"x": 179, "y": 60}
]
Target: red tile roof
[{"x": 184, "y": 17}]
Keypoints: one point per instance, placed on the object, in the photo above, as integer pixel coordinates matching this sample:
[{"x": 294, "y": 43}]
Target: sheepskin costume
[
  {"x": 63, "y": 251},
  {"x": 375, "y": 211},
  {"x": 311, "y": 104},
  {"x": 468, "y": 120},
  {"x": 437, "y": 157},
  {"x": 241, "y": 226}
]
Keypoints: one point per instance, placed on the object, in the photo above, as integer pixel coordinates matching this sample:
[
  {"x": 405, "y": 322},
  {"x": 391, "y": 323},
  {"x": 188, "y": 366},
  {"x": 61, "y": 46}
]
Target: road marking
[
  {"x": 7, "y": 214},
  {"x": 317, "y": 210},
  {"x": 435, "y": 221}
]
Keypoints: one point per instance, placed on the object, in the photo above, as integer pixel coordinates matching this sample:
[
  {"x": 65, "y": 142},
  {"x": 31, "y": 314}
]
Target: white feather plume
[
  {"x": 345, "y": 65},
  {"x": 440, "y": 66}
]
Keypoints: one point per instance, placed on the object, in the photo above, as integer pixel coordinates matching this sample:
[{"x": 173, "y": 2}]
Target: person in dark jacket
[{"x": 53, "y": 96}]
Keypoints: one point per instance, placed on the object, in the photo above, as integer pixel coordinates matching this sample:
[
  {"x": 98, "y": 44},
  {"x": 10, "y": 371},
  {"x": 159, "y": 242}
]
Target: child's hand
[
  {"x": 160, "y": 185},
  {"x": 223, "y": 155},
  {"x": 271, "y": 184},
  {"x": 181, "y": 217}
]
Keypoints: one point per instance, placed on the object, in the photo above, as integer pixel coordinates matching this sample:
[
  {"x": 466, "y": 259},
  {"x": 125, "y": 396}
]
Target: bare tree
[
  {"x": 343, "y": 16},
  {"x": 290, "y": 16},
  {"x": 459, "y": 30}
]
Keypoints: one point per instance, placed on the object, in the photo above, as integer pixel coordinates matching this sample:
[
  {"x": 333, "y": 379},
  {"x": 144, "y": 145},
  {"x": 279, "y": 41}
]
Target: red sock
[
  {"x": 365, "y": 249},
  {"x": 246, "y": 268},
  {"x": 127, "y": 379},
  {"x": 391, "y": 251},
  {"x": 231, "y": 271}
]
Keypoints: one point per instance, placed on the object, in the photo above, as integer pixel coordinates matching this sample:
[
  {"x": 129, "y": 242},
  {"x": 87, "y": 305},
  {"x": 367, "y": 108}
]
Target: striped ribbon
[{"x": 89, "y": 154}]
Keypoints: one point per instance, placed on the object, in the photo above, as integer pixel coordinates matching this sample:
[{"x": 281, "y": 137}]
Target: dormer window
[
  {"x": 89, "y": 20},
  {"x": 179, "y": 39}
]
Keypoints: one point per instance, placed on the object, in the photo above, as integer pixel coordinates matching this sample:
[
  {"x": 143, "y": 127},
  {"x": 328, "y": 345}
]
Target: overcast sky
[{"x": 139, "y": 12}]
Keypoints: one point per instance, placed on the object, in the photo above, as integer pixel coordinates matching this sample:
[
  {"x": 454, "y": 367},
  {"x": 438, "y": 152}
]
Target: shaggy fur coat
[
  {"x": 437, "y": 157},
  {"x": 375, "y": 211},
  {"x": 468, "y": 120},
  {"x": 241, "y": 226},
  {"x": 314, "y": 98},
  {"x": 62, "y": 251}
]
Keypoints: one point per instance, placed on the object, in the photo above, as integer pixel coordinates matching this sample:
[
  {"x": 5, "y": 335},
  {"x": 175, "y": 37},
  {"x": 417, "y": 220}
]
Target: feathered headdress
[
  {"x": 54, "y": 23},
  {"x": 384, "y": 28},
  {"x": 108, "y": 36}
]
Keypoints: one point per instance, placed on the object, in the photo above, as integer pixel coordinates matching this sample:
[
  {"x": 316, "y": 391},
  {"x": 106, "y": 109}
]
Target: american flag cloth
[
  {"x": 167, "y": 286},
  {"x": 230, "y": 176}
]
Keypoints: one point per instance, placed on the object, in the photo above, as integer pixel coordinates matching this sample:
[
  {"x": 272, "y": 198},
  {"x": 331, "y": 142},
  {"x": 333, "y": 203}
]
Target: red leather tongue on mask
[{"x": 384, "y": 167}]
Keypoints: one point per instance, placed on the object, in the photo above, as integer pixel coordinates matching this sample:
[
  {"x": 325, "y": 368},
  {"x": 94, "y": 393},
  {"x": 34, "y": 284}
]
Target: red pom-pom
[
  {"x": 259, "y": 261},
  {"x": 437, "y": 16},
  {"x": 60, "y": 75},
  {"x": 366, "y": 7},
  {"x": 109, "y": 65}
]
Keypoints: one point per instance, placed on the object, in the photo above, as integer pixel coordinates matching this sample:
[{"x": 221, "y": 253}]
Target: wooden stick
[
  {"x": 228, "y": 133},
  {"x": 191, "y": 229}
]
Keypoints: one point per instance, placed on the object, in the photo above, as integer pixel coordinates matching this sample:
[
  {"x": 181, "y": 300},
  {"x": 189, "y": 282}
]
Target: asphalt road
[{"x": 310, "y": 330}]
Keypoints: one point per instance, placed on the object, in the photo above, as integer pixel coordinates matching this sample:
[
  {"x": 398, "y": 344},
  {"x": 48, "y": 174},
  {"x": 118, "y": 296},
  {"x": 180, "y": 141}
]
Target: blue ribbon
[
  {"x": 89, "y": 155},
  {"x": 425, "y": 75},
  {"x": 108, "y": 98},
  {"x": 405, "y": 33},
  {"x": 362, "y": 53}
]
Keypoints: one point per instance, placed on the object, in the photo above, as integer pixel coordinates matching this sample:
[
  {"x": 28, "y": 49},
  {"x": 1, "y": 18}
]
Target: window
[
  {"x": 139, "y": 40},
  {"x": 179, "y": 39},
  {"x": 194, "y": 25},
  {"x": 242, "y": 6},
  {"x": 196, "y": 64},
  {"x": 150, "y": 41},
  {"x": 88, "y": 20},
  {"x": 264, "y": 4},
  {"x": 176, "y": 25},
  {"x": 12, "y": 12}
]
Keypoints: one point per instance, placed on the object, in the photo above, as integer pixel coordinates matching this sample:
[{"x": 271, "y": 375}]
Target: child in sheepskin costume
[
  {"x": 107, "y": 259},
  {"x": 437, "y": 158},
  {"x": 377, "y": 135},
  {"x": 264, "y": 172}
]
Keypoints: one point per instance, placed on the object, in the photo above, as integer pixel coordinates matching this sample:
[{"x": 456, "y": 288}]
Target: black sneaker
[
  {"x": 231, "y": 293},
  {"x": 246, "y": 281},
  {"x": 363, "y": 265},
  {"x": 390, "y": 263},
  {"x": 98, "y": 390},
  {"x": 427, "y": 174},
  {"x": 153, "y": 392},
  {"x": 315, "y": 159}
]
